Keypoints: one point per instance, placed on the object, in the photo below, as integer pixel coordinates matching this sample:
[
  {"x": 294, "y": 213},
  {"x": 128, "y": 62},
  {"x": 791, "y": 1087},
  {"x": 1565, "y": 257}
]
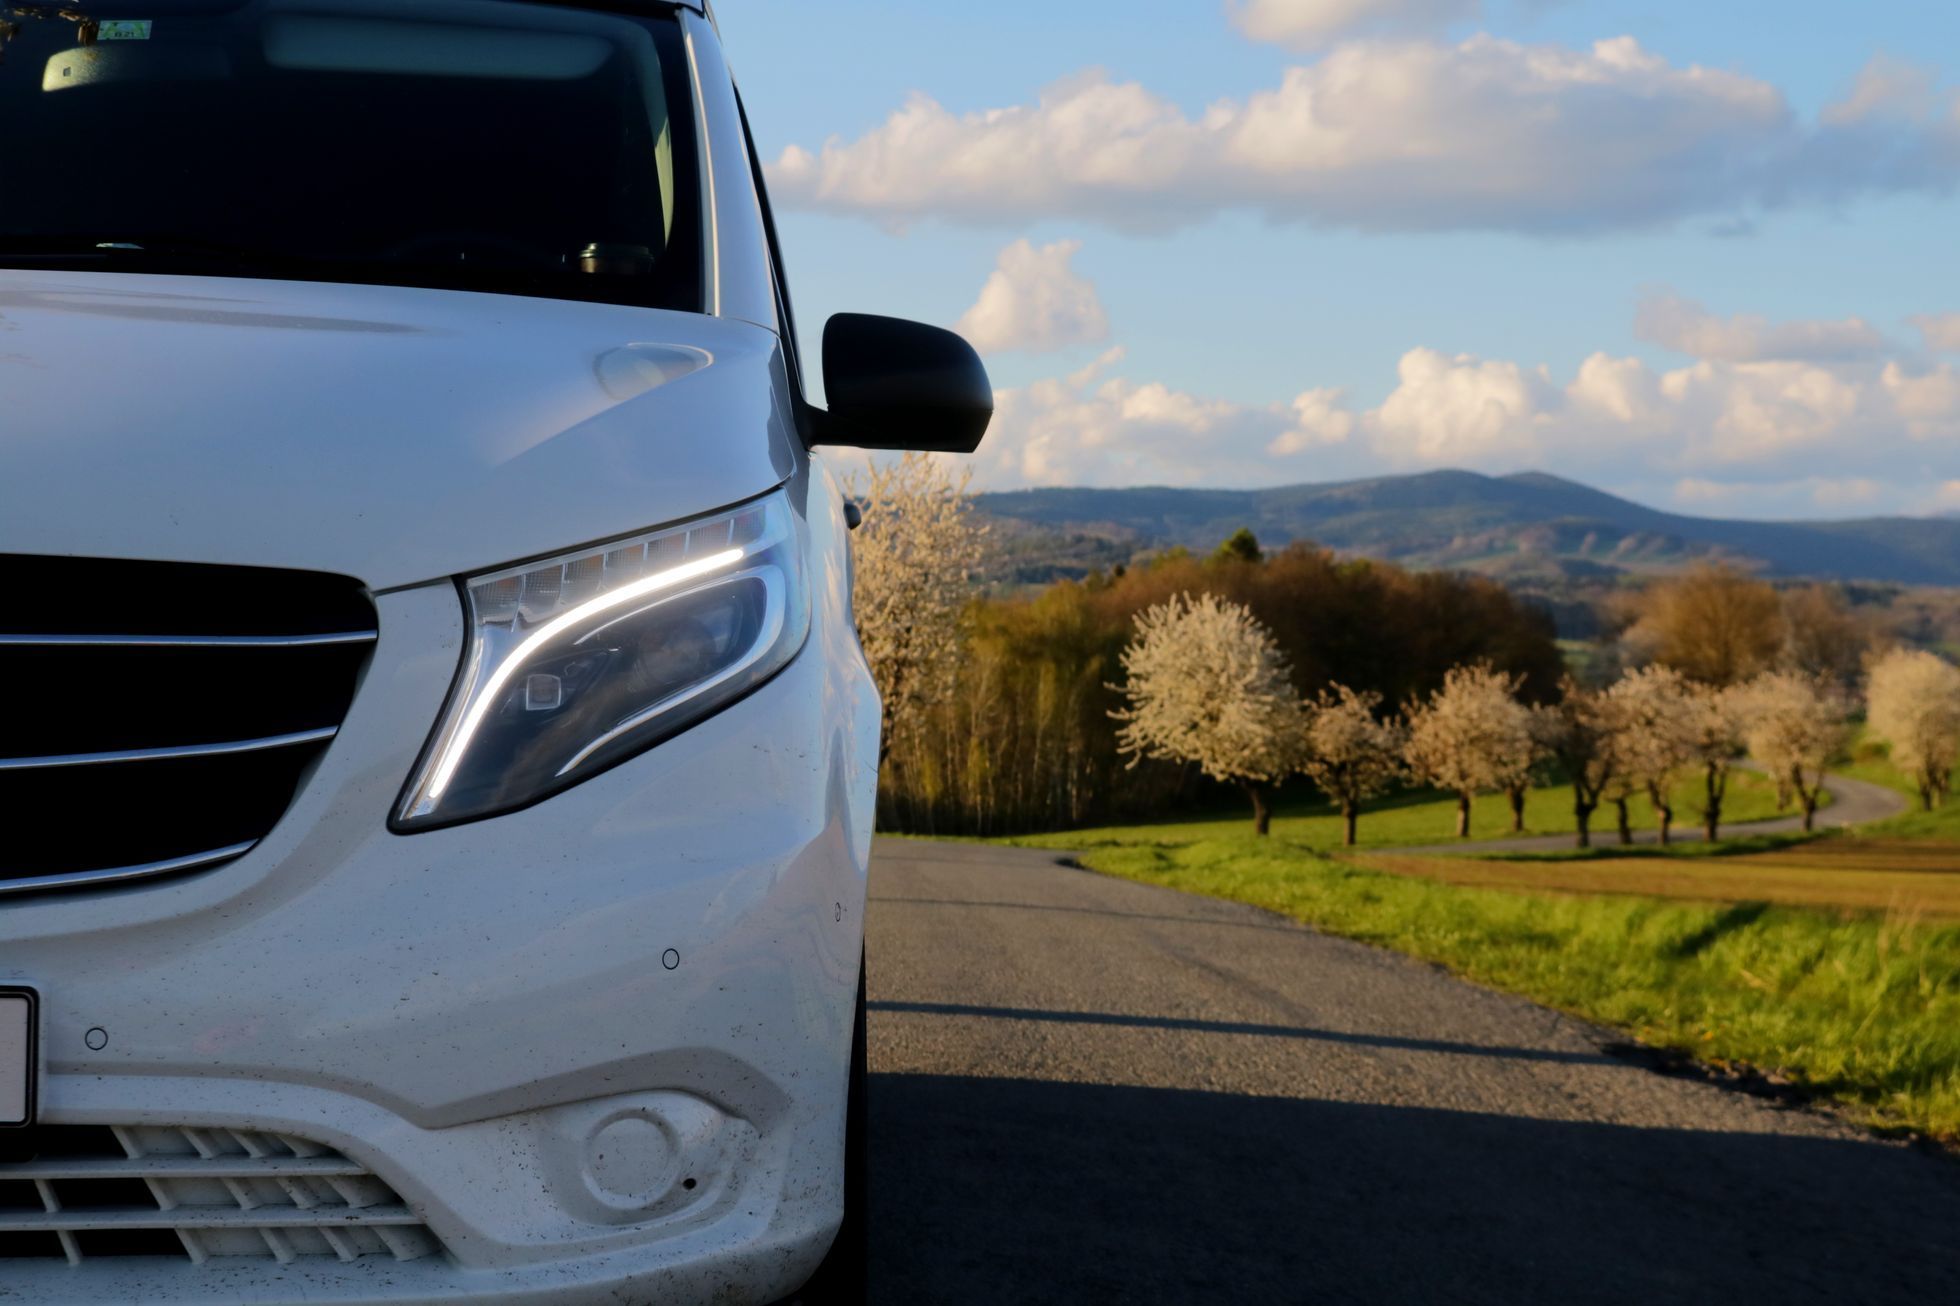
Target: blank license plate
[{"x": 16, "y": 1057}]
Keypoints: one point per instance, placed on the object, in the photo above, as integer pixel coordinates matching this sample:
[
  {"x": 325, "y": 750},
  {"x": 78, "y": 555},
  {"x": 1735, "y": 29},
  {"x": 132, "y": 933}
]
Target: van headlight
[{"x": 578, "y": 662}]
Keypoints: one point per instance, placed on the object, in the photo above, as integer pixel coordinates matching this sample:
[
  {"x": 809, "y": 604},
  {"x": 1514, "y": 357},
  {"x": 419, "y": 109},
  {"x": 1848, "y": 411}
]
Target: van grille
[
  {"x": 159, "y": 716},
  {"x": 84, "y": 1191}
]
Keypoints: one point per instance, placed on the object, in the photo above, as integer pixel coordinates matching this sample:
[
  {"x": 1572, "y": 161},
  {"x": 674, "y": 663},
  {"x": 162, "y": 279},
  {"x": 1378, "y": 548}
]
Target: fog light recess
[{"x": 646, "y": 1157}]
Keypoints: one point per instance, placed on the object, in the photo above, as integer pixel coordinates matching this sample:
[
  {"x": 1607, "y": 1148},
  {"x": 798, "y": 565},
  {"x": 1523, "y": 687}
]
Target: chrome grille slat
[
  {"x": 256, "y": 1216},
  {"x": 172, "y": 753},
  {"x": 225, "y": 1194},
  {"x": 123, "y": 874},
  {"x": 51, "y": 1209},
  {"x": 184, "y": 1167},
  {"x": 189, "y": 641},
  {"x": 165, "y": 714},
  {"x": 163, "y": 1194}
]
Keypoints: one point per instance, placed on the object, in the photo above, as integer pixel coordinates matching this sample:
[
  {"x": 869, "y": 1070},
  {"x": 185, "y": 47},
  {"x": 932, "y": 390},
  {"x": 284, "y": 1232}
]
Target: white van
[{"x": 436, "y": 760}]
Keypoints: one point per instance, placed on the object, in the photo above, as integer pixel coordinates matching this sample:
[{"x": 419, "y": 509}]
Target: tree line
[
  {"x": 1206, "y": 684},
  {"x": 1137, "y": 690}
]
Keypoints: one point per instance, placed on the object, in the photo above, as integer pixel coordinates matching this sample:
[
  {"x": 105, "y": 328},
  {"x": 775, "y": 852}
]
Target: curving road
[
  {"x": 1853, "y": 802},
  {"x": 1088, "y": 1090}
]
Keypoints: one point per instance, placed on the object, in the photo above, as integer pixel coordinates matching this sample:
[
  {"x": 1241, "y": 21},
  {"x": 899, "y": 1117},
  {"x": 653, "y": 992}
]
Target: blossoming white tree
[
  {"x": 1472, "y": 736},
  {"x": 1587, "y": 747},
  {"x": 1656, "y": 719},
  {"x": 1794, "y": 725},
  {"x": 914, "y": 561},
  {"x": 1351, "y": 754},
  {"x": 1206, "y": 683},
  {"x": 1620, "y": 789},
  {"x": 1543, "y": 723},
  {"x": 1715, "y": 726},
  {"x": 1914, "y": 705}
]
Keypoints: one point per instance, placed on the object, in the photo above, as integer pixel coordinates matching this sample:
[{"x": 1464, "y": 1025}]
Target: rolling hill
[{"x": 1529, "y": 524}]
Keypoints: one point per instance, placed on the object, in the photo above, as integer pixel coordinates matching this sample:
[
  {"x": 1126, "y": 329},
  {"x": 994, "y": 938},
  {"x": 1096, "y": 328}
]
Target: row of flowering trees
[
  {"x": 1206, "y": 684},
  {"x": 998, "y": 701},
  {"x": 998, "y": 710}
]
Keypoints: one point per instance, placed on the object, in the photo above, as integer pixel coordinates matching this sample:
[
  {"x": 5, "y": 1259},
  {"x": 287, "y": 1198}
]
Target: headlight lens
[{"x": 578, "y": 662}]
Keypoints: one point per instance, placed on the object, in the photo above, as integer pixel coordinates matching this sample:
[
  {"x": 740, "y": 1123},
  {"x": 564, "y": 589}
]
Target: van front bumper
[{"x": 597, "y": 1047}]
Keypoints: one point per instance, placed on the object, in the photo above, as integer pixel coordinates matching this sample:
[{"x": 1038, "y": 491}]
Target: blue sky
[{"x": 1706, "y": 263}]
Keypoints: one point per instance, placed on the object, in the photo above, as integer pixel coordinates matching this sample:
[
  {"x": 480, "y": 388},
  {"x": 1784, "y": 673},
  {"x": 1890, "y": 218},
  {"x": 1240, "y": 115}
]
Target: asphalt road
[
  {"x": 1853, "y": 802},
  {"x": 1087, "y": 1090}
]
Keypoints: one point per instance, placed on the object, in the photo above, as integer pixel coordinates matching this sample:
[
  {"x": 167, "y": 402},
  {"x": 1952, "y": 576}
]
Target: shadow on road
[
  {"x": 992, "y": 1190},
  {"x": 1229, "y": 923},
  {"x": 1241, "y": 1027}
]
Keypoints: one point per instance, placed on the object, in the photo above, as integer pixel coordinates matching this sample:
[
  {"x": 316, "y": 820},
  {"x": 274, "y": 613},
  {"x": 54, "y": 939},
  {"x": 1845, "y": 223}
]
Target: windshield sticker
[{"x": 123, "y": 29}]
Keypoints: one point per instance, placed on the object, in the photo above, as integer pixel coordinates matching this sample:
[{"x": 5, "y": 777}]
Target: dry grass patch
[{"x": 1892, "y": 877}]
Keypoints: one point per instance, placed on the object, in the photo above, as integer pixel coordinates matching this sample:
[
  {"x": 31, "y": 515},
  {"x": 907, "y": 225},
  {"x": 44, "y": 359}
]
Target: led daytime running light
[
  {"x": 458, "y": 743},
  {"x": 578, "y": 662}
]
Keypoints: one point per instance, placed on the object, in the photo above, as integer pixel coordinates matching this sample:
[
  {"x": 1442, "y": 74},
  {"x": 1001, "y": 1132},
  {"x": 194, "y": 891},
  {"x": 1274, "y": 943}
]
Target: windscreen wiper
[
  {"x": 18, "y": 248},
  {"x": 195, "y": 257},
  {"x": 41, "y": 249}
]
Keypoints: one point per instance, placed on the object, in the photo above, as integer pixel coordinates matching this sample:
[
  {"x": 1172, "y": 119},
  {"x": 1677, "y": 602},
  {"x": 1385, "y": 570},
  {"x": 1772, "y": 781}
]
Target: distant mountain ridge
[{"x": 1530, "y": 523}]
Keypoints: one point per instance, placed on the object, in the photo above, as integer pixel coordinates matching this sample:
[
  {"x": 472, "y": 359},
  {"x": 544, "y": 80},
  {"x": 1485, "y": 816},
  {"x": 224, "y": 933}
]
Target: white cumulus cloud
[
  {"x": 1035, "y": 300},
  {"x": 1400, "y": 135},
  {"x": 1897, "y": 129},
  {"x": 1887, "y": 87},
  {"x": 1095, "y": 427},
  {"x": 1321, "y": 418},
  {"x": 1463, "y": 411},
  {"x": 1765, "y": 434},
  {"x": 1686, "y": 327},
  {"x": 1941, "y": 331},
  {"x": 1415, "y": 135},
  {"x": 1619, "y": 414},
  {"x": 1310, "y": 24},
  {"x": 1927, "y": 401},
  {"x": 1849, "y": 427}
]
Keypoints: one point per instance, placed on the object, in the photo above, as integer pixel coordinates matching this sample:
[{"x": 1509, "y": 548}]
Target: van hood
[{"x": 397, "y": 435}]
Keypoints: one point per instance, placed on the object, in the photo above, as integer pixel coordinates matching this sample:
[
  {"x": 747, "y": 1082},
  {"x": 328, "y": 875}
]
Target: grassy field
[
  {"x": 1833, "y": 962},
  {"x": 1861, "y": 1010},
  {"x": 1907, "y": 867},
  {"x": 1942, "y": 825},
  {"x": 1424, "y": 818}
]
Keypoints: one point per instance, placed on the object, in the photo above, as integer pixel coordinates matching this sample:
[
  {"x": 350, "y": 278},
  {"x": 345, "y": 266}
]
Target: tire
[{"x": 840, "y": 1280}]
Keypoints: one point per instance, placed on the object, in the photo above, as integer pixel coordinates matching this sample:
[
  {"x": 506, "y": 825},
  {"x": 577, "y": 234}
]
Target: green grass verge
[{"x": 1859, "y": 1010}]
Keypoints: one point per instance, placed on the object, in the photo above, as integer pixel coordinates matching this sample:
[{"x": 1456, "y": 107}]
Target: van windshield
[{"x": 501, "y": 145}]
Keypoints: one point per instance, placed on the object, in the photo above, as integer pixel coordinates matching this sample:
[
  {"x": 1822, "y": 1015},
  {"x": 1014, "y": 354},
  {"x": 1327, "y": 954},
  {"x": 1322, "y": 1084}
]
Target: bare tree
[
  {"x": 1824, "y": 636},
  {"x": 1587, "y": 746},
  {"x": 1657, "y": 720},
  {"x": 914, "y": 561},
  {"x": 1913, "y": 704},
  {"x": 1351, "y": 754},
  {"x": 1471, "y": 737},
  {"x": 1713, "y": 624},
  {"x": 1715, "y": 720},
  {"x": 1795, "y": 727},
  {"x": 1207, "y": 684}
]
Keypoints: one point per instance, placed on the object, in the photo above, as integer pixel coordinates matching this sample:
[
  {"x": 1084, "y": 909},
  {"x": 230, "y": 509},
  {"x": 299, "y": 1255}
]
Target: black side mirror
[{"x": 894, "y": 384}]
